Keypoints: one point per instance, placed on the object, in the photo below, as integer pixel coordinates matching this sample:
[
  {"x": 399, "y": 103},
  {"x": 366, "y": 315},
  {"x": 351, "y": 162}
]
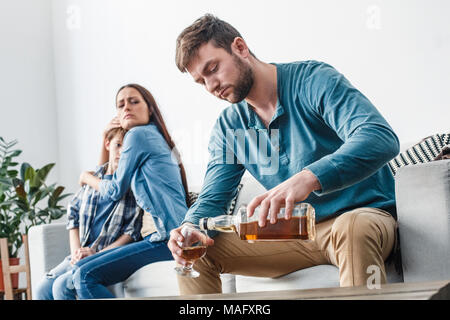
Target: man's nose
[{"x": 211, "y": 85}]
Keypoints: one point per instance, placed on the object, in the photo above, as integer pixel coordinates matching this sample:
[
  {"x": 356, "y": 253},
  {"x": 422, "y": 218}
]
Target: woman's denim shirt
[{"x": 147, "y": 166}]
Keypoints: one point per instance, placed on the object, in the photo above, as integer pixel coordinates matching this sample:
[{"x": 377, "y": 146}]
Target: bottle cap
[
  {"x": 203, "y": 223},
  {"x": 243, "y": 207}
]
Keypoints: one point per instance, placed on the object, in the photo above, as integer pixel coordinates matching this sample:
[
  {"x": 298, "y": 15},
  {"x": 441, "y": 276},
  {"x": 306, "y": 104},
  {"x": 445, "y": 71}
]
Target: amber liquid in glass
[
  {"x": 294, "y": 228},
  {"x": 191, "y": 254}
]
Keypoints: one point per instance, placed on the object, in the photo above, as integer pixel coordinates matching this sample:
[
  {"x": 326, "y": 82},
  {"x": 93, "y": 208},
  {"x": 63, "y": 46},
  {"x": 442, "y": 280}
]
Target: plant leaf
[
  {"x": 23, "y": 169},
  {"x": 53, "y": 200},
  {"x": 43, "y": 172},
  {"x": 29, "y": 174},
  {"x": 27, "y": 186},
  {"x": 14, "y": 153},
  {"x": 37, "y": 197},
  {"x": 20, "y": 190},
  {"x": 6, "y": 181},
  {"x": 12, "y": 173}
]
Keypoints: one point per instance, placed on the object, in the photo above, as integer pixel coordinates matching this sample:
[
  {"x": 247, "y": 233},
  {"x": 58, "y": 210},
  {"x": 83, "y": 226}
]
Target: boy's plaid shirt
[{"x": 124, "y": 218}]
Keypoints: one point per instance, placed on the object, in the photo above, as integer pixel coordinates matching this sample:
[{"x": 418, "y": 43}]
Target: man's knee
[{"x": 357, "y": 226}]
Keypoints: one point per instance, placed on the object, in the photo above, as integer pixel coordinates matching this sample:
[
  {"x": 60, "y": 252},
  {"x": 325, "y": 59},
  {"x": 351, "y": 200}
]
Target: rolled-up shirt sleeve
[
  {"x": 73, "y": 210},
  {"x": 369, "y": 141}
]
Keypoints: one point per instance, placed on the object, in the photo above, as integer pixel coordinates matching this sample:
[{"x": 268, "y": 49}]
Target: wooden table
[{"x": 395, "y": 291}]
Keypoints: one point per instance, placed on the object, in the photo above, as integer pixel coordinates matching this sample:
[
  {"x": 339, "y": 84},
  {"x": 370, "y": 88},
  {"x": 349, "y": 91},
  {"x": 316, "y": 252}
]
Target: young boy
[{"x": 95, "y": 224}]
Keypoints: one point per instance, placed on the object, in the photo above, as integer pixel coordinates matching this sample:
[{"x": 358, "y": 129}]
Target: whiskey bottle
[{"x": 300, "y": 226}]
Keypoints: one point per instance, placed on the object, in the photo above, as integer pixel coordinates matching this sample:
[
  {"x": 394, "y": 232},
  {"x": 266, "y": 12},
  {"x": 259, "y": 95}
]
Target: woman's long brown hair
[{"x": 157, "y": 119}]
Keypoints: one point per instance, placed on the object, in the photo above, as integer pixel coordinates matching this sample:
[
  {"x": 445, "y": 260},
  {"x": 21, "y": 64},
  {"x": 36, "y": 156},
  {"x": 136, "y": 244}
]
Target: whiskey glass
[{"x": 193, "y": 247}]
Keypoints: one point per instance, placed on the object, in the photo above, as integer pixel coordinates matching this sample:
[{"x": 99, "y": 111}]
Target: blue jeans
[
  {"x": 92, "y": 275},
  {"x": 57, "y": 283}
]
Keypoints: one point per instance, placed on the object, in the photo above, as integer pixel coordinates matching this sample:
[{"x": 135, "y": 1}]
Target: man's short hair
[{"x": 206, "y": 28}]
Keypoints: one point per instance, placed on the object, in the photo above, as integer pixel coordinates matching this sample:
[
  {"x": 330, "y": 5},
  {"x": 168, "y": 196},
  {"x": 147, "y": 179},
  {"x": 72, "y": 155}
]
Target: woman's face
[{"x": 131, "y": 108}]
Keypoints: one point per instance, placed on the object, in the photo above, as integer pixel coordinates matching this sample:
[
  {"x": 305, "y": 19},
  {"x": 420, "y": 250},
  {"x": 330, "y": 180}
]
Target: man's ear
[{"x": 239, "y": 47}]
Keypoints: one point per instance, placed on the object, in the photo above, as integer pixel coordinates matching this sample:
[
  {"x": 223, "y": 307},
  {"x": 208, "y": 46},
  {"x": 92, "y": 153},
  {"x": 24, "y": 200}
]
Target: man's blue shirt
[{"x": 323, "y": 124}]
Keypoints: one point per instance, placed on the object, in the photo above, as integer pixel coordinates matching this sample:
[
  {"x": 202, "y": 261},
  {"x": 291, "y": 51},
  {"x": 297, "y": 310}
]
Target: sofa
[{"x": 423, "y": 209}]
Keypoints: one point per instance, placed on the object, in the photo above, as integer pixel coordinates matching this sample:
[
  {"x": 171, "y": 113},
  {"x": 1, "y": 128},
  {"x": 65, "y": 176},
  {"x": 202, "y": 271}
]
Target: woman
[
  {"x": 95, "y": 224},
  {"x": 158, "y": 182}
]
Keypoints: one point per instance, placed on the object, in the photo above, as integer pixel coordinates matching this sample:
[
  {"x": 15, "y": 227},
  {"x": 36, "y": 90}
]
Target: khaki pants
[{"x": 352, "y": 241}]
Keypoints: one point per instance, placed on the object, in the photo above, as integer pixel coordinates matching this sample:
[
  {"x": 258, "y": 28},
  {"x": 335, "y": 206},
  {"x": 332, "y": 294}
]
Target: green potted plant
[{"x": 25, "y": 198}]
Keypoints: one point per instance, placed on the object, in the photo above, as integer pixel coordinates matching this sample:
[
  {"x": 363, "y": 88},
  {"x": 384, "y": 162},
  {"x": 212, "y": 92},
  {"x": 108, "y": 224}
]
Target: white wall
[
  {"x": 63, "y": 60},
  {"x": 27, "y": 92},
  {"x": 27, "y": 95},
  {"x": 396, "y": 52}
]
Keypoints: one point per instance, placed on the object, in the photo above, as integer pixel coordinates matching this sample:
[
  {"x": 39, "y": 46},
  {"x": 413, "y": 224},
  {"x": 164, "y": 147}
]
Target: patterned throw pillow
[
  {"x": 233, "y": 202},
  {"x": 194, "y": 195},
  {"x": 429, "y": 149}
]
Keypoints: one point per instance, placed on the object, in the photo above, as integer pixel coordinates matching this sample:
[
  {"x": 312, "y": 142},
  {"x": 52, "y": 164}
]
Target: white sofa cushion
[
  {"x": 159, "y": 279},
  {"x": 48, "y": 245},
  {"x": 323, "y": 276}
]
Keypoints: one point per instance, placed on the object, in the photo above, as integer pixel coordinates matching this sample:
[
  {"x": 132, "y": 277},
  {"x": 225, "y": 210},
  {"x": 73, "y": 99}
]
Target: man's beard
[{"x": 244, "y": 82}]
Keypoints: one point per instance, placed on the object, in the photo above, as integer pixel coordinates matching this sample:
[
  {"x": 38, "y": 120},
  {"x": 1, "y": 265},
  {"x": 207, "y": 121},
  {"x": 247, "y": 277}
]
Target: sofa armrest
[
  {"x": 48, "y": 245},
  {"x": 423, "y": 210}
]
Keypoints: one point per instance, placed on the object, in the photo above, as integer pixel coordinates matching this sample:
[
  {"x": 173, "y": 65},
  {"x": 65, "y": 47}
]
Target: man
[{"x": 331, "y": 147}]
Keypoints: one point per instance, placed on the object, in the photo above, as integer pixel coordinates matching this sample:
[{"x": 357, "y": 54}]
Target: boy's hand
[
  {"x": 84, "y": 177},
  {"x": 81, "y": 253}
]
